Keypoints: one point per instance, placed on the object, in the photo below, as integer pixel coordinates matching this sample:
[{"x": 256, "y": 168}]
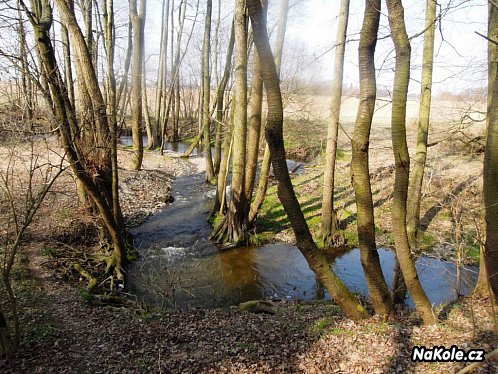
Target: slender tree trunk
[
  {"x": 137, "y": 21},
  {"x": 402, "y": 160},
  {"x": 109, "y": 28},
  {"x": 490, "y": 174},
  {"x": 124, "y": 80},
  {"x": 379, "y": 292},
  {"x": 206, "y": 92},
  {"x": 220, "y": 95},
  {"x": 329, "y": 229},
  {"x": 254, "y": 122},
  {"x": 5, "y": 339},
  {"x": 232, "y": 229},
  {"x": 162, "y": 72},
  {"x": 150, "y": 126},
  {"x": 264, "y": 173},
  {"x": 415, "y": 189},
  {"x": 286, "y": 195}
]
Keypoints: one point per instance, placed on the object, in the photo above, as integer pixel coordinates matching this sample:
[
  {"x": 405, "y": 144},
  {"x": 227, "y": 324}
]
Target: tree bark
[
  {"x": 137, "y": 21},
  {"x": 329, "y": 229},
  {"x": 415, "y": 189},
  {"x": 220, "y": 96},
  {"x": 254, "y": 122},
  {"x": 379, "y": 292},
  {"x": 490, "y": 174},
  {"x": 264, "y": 173},
  {"x": 206, "y": 92},
  {"x": 274, "y": 137},
  {"x": 232, "y": 229},
  {"x": 402, "y": 160}
]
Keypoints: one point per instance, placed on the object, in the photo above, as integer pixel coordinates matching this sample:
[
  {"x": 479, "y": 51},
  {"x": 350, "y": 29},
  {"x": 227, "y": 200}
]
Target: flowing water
[{"x": 180, "y": 267}]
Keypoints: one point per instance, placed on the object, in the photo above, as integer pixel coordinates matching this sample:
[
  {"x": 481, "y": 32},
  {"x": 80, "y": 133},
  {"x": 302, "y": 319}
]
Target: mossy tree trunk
[
  {"x": 220, "y": 108},
  {"x": 206, "y": 92},
  {"x": 274, "y": 137},
  {"x": 490, "y": 174},
  {"x": 329, "y": 228},
  {"x": 137, "y": 17},
  {"x": 232, "y": 229},
  {"x": 264, "y": 173},
  {"x": 379, "y": 292},
  {"x": 90, "y": 172},
  {"x": 254, "y": 123},
  {"x": 417, "y": 177},
  {"x": 402, "y": 160}
]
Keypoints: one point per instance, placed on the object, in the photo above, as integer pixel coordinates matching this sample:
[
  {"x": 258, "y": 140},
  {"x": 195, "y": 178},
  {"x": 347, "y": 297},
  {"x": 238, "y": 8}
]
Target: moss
[
  {"x": 85, "y": 294},
  {"x": 322, "y": 326},
  {"x": 426, "y": 240}
]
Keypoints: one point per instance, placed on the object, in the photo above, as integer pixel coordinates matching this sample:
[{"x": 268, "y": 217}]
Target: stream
[{"x": 180, "y": 268}]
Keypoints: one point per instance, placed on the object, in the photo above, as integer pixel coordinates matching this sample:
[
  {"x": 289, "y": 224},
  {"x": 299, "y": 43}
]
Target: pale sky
[{"x": 315, "y": 21}]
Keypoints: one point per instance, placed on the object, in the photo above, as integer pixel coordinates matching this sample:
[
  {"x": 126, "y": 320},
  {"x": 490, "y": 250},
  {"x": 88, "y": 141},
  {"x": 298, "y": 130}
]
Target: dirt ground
[{"x": 64, "y": 330}]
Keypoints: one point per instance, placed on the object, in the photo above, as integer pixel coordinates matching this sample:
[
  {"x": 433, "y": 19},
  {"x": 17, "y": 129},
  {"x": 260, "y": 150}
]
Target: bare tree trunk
[
  {"x": 329, "y": 229},
  {"x": 254, "y": 122},
  {"x": 137, "y": 22},
  {"x": 162, "y": 72},
  {"x": 402, "y": 160},
  {"x": 286, "y": 195},
  {"x": 91, "y": 174},
  {"x": 490, "y": 174},
  {"x": 379, "y": 292},
  {"x": 109, "y": 28},
  {"x": 232, "y": 229},
  {"x": 150, "y": 127},
  {"x": 220, "y": 95},
  {"x": 124, "y": 81},
  {"x": 206, "y": 92},
  {"x": 266, "y": 163},
  {"x": 415, "y": 189}
]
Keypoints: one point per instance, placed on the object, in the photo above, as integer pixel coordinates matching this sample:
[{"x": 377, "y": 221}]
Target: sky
[{"x": 460, "y": 57}]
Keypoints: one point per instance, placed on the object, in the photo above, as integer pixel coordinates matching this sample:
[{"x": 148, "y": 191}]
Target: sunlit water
[{"x": 180, "y": 267}]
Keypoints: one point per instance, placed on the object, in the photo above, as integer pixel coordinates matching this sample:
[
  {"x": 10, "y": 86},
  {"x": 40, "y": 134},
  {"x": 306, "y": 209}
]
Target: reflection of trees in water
[{"x": 239, "y": 272}]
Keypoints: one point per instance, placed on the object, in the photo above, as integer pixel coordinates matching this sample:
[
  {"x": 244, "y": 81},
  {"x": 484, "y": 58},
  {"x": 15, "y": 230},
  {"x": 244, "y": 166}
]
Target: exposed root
[
  {"x": 92, "y": 282},
  {"x": 230, "y": 233}
]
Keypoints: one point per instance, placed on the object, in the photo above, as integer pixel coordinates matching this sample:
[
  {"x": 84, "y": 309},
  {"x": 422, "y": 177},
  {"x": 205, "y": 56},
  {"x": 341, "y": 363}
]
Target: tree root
[
  {"x": 230, "y": 233},
  {"x": 92, "y": 282}
]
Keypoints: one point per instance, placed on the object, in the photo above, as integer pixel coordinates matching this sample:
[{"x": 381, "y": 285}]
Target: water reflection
[{"x": 278, "y": 271}]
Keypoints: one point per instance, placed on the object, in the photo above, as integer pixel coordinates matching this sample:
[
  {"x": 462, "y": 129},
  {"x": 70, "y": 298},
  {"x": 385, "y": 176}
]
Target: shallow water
[{"x": 181, "y": 268}]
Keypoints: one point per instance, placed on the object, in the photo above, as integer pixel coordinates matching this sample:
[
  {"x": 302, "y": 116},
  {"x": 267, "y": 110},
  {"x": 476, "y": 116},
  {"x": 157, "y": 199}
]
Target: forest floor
[{"x": 65, "y": 330}]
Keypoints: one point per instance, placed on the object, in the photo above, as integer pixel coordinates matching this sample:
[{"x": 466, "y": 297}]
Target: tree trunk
[
  {"x": 254, "y": 122},
  {"x": 415, "y": 189},
  {"x": 232, "y": 229},
  {"x": 274, "y": 137},
  {"x": 109, "y": 27},
  {"x": 220, "y": 95},
  {"x": 402, "y": 160},
  {"x": 92, "y": 173},
  {"x": 137, "y": 21},
  {"x": 490, "y": 174},
  {"x": 206, "y": 92},
  {"x": 162, "y": 72},
  {"x": 264, "y": 173},
  {"x": 379, "y": 292},
  {"x": 330, "y": 236}
]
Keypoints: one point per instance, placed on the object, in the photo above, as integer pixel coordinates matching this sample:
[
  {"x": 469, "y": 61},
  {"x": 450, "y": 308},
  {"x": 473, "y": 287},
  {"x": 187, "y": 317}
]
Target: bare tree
[
  {"x": 379, "y": 292},
  {"x": 402, "y": 160},
  {"x": 232, "y": 229},
  {"x": 490, "y": 174},
  {"x": 286, "y": 195},
  {"x": 329, "y": 229},
  {"x": 137, "y": 18},
  {"x": 206, "y": 92},
  {"x": 417, "y": 177}
]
